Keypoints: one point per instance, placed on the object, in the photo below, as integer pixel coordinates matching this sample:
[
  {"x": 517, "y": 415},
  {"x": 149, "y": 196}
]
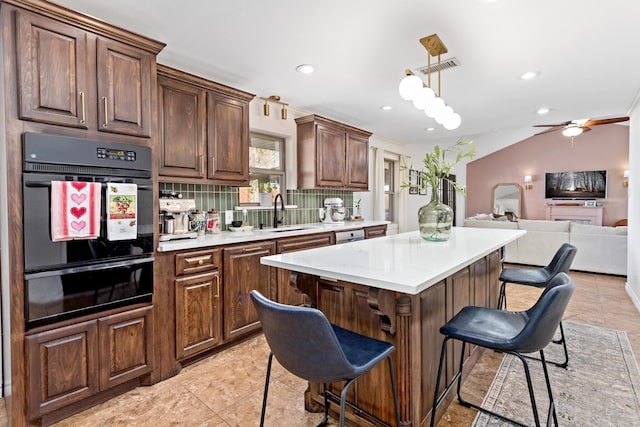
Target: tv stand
[{"x": 575, "y": 213}]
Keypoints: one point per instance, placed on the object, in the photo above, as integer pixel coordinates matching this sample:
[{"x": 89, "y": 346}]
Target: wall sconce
[
  {"x": 275, "y": 99},
  {"x": 625, "y": 178},
  {"x": 528, "y": 182}
]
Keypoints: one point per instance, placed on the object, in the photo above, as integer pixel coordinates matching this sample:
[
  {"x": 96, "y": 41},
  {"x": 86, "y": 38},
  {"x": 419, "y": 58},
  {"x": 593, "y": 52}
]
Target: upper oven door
[{"x": 40, "y": 253}]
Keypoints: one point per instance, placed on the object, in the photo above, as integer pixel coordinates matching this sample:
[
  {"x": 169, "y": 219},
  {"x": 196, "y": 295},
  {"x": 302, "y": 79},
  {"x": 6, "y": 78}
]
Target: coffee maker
[
  {"x": 333, "y": 212},
  {"x": 174, "y": 217}
]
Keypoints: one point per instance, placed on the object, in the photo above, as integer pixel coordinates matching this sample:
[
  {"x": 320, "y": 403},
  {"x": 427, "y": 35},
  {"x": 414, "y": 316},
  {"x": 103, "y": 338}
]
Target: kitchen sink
[{"x": 283, "y": 229}]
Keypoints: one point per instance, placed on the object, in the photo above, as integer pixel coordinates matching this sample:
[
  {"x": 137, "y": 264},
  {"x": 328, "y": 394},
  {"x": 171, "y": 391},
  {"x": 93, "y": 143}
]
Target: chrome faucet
[{"x": 277, "y": 221}]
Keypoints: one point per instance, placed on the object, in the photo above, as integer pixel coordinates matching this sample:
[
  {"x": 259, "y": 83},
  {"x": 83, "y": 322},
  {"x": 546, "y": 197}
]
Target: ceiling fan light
[
  {"x": 409, "y": 87},
  {"x": 572, "y": 131},
  {"x": 453, "y": 122}
]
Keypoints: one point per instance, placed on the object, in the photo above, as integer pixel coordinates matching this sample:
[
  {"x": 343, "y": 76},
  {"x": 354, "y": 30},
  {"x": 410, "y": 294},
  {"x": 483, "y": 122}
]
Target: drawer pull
[
  {"x": 200, "y": 262},
  {"x": 254, "y": 249}
]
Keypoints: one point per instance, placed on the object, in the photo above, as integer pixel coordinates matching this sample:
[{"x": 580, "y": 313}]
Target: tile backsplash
[{"x": 225, "y": 198}]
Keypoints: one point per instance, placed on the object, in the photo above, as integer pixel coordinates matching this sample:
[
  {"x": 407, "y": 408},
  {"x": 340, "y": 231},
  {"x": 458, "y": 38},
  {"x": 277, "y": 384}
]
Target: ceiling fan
[{"x": 576, "y": 127}]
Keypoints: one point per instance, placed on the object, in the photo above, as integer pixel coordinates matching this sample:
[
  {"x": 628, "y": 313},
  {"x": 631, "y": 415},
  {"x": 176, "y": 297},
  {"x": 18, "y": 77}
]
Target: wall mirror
[{"x": 507, "y": 200}]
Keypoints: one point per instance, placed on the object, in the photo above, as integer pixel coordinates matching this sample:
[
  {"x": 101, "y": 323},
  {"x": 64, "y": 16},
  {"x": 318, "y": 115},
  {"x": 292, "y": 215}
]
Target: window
[
  {"x": 389, "y": 190},
  {"x": 449, "y": 194},
  {"x": 266, "y": 169}
]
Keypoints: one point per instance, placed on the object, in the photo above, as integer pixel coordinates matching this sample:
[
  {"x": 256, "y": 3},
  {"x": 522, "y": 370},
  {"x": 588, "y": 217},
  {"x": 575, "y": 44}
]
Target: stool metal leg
[
  {"x": 395, "y": 391},
  {"x": 266, "y": 390},
  {"x": 502, "y": 298}
]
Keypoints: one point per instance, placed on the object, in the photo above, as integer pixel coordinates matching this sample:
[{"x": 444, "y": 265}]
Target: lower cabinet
[
  {"x": 242, "y": 274},
  {"x": 74, "y": 362},
  {"x": 375, "y": 231},
  {"x": 198, "y": 305}
]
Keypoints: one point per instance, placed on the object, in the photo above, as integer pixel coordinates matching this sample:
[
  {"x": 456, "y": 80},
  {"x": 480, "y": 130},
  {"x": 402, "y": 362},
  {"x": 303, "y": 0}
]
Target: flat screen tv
[{"x": 581, "y": 185}]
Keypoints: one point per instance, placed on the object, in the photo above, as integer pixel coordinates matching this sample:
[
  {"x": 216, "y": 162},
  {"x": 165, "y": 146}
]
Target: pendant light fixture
[{"x": 412, "y": 88}]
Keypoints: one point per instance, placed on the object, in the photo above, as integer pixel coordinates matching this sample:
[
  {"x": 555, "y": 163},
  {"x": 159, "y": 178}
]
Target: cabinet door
[
  {"x": 182, "y": 115},
  {"x": 358, "y": 162},
  {"x": 331, "y": 156},
  {"x": 227, "y": 140},
  {"x": 198, "y": 314},
  {"x": 63, "y": 367},
  {"x": 124, "y": 88},
  {"x": 286, "y": 293},
  {"x": 242, "y": 274},
  {"x": 126, "y": 346},
  {"x": 52, "y": 76}
]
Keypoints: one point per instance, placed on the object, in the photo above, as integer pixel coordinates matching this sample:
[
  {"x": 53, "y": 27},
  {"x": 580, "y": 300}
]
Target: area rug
[{"x": 600, "y": 387}]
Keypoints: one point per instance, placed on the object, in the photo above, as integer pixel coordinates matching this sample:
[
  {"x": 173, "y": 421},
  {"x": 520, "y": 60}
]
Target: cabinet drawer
[
  {"x": 375, "y": 231},
  {"x": 198, "y": 261},
  {"x": 305, "y": 242}
]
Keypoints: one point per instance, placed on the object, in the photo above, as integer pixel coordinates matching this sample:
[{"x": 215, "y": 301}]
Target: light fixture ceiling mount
[
  {"x": 276, "y": 100},
  {"x": 412, "y": 88}
]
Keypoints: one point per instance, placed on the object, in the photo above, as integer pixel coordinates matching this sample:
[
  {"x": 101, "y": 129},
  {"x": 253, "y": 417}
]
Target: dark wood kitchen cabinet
[
  {"x": 242, "y": 274},
  {"x": 375, "y": 231},
  {"x": 72, "y": 77},
  {"x": 74, "y": 362},
  {"x": 204, "y": 129},
  {"x": 332, "y": 154},
  {"x": 198, "y": 301},
  {"x": 286, "y": 293}
]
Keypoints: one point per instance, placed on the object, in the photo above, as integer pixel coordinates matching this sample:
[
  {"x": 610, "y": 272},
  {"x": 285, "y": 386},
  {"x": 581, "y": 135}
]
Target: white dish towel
[{"x": 122, "y": 211}]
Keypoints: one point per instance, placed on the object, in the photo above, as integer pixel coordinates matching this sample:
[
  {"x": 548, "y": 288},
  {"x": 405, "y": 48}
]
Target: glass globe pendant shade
[
  {"x": 444, "y": 114},
  {"x": 409, "y": 87},
  {"x": 572, "y": 131},
  {"x": 453, "y": 122},
  {"x": 422, "y": 98}
]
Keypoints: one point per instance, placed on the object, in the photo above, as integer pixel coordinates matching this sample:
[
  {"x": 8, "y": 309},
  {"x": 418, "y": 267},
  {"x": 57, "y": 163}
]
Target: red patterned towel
[{"x": 75, "y": 210}]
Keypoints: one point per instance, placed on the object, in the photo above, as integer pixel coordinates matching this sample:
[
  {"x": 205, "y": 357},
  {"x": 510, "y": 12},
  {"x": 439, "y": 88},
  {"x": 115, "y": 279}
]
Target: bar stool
[
  {"x": 540, "y": 278},
  {"x": 307, "y": 345},
  {"x": 509, "y": 332}
]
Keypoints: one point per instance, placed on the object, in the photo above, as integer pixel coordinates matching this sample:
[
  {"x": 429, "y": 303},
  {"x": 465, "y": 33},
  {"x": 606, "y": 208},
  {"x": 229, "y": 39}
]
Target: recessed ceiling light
[
  {"x": 529, "y": 75},
  {"x": 386, "y": 107},
  {"x": 543, "y": 110},
  {"x": 305, "y": 68},
  {"x": 430, "y": 129}
]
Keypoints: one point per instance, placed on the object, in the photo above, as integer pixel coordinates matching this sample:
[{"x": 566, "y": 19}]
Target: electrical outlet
[{"x": 228, "y": 217}]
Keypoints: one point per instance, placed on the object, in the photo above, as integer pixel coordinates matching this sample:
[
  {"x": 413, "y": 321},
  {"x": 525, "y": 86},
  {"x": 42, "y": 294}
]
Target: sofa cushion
[
  {"x": 542, "y": 225},
  {"x": 490, "y": 224},
  {"x": 597, "y": 229}
]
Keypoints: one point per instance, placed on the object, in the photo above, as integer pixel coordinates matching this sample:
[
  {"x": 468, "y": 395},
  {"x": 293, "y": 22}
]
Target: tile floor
[{"x": 226, "y": 389}]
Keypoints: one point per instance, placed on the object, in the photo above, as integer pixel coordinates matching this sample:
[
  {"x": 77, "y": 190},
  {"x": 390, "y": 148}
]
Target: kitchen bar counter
[
  {"x": 400, "y": 289},
  {"x": 233, "y": 237},
  {"x": 401, "y": 262}
]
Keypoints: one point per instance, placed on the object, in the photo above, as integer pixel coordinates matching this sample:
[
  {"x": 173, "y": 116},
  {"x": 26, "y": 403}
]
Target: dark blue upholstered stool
[
  {"x": 561, "y": 263},
  {"x": 307, "y": 345},
  {"x": 509, "y": 332}
]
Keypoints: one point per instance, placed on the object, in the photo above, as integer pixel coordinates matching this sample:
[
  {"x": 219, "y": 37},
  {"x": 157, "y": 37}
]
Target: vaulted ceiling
[{"x": 583, "y": 50}]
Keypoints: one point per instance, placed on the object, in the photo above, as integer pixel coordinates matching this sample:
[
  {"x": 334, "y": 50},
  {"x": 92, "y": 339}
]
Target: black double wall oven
[{"x": 66, "y": 279}]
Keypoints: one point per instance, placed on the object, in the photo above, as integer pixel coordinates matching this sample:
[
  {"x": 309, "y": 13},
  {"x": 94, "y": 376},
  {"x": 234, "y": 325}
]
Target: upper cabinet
[
  {"x": 332, "y": 155},
  {"x": 204, "y": 130},
  {"x": 72, "y": 77}
]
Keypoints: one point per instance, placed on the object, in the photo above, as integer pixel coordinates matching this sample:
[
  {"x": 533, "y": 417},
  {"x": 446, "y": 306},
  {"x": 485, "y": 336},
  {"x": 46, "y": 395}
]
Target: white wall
[{"x": 633, "y": 242}]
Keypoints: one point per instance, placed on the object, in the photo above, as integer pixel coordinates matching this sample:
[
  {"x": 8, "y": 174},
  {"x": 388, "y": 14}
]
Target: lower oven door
[{"x": 55, "y": 295}]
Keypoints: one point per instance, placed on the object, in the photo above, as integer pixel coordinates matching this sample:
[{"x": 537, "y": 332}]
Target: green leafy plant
[
  {"x": 437, "y": 168},
  {"x": 266, "y": 187}
]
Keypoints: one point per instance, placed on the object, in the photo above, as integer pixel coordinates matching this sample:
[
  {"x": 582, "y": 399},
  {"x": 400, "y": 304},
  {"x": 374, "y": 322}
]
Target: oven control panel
[{"x": 116, "y": 154}]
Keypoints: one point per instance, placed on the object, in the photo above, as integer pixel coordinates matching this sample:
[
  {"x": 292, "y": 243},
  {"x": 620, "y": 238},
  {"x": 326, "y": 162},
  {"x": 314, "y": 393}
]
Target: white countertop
[
  {"x": 232, "y": 237},
  {"x": 401, "y": 262}
]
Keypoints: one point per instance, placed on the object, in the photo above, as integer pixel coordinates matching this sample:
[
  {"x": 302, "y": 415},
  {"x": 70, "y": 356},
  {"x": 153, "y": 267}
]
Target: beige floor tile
[{"x": 226, "y": 389}]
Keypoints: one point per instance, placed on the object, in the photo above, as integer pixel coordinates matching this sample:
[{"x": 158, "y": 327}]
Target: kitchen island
[{"x": 400, "y": 289}]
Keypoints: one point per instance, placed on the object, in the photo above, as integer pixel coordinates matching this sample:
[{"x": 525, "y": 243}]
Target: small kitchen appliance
[
  {"x": 333, "y": 212},
  {"x": 176, "y": 218}
]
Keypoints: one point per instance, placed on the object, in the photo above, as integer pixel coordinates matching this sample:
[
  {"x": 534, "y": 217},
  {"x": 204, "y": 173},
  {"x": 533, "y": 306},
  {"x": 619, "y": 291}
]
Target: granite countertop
[
  {"x": 233, "y": 237},
  {"x": 401, "y": 262}
]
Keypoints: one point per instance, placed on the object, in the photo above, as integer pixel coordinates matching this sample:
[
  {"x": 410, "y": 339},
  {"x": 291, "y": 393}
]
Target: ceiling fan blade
[
  {"x": 552, "y": 129},
  {"x": 554, "y": 125},
  {"x": 585, "y": 129},
  {"x": 605, "y": 121}
]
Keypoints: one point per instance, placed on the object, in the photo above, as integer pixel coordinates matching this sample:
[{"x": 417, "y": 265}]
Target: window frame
[{"x": 281, "y": 173}]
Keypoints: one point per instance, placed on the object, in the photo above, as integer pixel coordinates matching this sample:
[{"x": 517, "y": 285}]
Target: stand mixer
[
  {"x": 176, "y": 218},
  {"x": 333, "y": 212}
]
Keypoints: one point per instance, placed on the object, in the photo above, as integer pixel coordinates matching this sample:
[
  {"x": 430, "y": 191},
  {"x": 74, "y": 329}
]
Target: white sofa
[{"x": 600, "y": 249}]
